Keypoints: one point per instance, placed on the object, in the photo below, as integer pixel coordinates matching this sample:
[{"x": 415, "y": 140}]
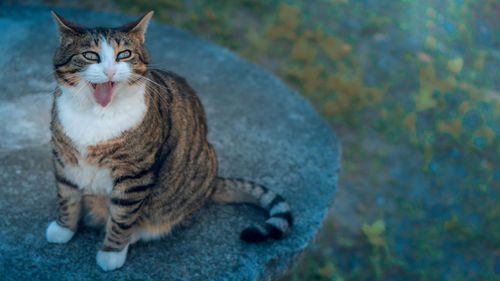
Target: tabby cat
[{"x": 129, "y": 146}]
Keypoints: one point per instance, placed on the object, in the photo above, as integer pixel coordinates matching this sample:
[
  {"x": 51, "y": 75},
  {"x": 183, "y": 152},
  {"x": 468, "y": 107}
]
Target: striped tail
[{"x": 280, "y": 219}]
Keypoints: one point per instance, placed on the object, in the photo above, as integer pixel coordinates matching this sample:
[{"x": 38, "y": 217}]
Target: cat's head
[{"x": 99, "y": 62}]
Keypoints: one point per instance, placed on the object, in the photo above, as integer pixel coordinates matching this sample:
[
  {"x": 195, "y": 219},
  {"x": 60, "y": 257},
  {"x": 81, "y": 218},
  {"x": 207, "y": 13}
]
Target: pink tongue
[{"x": 102, "y": 93}]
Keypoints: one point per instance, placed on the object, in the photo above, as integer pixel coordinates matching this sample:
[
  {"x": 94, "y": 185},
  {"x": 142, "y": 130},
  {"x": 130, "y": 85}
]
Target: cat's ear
[
  {"x": 138, "y": 28},
  {"x": 66, "y": 28}
]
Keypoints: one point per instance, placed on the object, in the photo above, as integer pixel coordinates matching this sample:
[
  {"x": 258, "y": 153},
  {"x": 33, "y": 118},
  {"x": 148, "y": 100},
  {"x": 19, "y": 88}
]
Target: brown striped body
[
  {"x": 130, "y": 146},
  {"x": 162, "y": 170}
]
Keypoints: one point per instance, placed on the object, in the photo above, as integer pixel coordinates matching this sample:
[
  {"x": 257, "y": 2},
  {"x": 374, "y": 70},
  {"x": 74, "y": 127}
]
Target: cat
[{"x": 129, "y": 146}]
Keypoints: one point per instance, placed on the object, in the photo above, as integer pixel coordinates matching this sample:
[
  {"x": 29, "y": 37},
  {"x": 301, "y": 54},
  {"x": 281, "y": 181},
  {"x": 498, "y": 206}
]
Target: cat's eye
[
  {"x": 123, "y": 55},
  {"x": 91, "y": 56}
]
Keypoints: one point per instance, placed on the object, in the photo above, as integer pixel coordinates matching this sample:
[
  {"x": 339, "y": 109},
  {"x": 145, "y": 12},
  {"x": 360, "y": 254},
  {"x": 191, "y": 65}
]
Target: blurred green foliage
[
  {"x": 433, "y": 97},
  {"x": 328, "y": 69}
]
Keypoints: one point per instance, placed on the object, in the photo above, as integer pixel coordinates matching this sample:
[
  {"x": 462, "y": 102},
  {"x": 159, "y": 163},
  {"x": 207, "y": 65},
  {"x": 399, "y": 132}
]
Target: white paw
[
  {"x": 111, "y": 260},
  {"x": 58, "y": 234}
]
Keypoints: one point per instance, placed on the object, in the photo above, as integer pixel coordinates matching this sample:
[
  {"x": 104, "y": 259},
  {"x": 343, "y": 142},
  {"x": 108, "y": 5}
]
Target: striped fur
[
  {"x": 140, "y": 182},
  {"x": 280, "y": 218}
]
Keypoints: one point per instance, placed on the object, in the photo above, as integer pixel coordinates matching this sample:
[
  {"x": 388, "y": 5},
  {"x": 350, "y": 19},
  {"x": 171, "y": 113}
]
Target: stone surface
[{"x": 261, "y": 130}]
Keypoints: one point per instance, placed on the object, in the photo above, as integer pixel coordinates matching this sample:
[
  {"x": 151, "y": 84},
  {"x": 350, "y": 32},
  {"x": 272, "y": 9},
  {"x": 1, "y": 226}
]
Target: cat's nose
[{"x": 109, "y": 73}]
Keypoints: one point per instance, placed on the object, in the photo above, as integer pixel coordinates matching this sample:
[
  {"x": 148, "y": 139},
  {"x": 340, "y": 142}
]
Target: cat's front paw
[
  {"x": 111, "y": 260},
  {"x": 58, "y": 234}
]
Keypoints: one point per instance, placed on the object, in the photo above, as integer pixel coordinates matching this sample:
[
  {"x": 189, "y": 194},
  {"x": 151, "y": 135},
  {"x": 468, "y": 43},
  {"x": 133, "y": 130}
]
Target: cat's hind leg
[{"x": 95, "y": 210}]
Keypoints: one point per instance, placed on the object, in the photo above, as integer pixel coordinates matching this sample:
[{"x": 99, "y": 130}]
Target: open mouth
[{"x": 103, "y": 92}]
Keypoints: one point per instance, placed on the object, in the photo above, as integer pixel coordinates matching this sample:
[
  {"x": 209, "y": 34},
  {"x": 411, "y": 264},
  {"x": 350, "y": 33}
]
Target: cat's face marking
[
  {"x": 98, "y": 63},
  {"x": 112, "y": 68},
  {"x": 108, "y": 69},
  {"x": 100, "y": 72}
]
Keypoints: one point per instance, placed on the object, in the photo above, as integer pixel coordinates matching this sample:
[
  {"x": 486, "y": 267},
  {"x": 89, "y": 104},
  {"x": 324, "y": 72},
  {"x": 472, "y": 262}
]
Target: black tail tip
[
  {"x": 253, "y": 235},
  {"x": 256, "y": 234}
]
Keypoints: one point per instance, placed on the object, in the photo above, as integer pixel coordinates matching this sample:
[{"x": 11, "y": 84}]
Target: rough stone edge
[{"x": 275, "y": 268}]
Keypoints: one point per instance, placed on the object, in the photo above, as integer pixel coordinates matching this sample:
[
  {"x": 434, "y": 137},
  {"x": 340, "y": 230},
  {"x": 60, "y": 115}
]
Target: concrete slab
[{"x": 261, "y": 130}]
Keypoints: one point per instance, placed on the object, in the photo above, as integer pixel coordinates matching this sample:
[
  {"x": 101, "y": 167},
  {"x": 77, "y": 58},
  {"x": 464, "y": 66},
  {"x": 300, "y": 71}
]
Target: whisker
[
  {"x": 151, "y": 91},
  {"x": 49, "y": 84},
  {"x": 161, "y": 86},
  {"x": 80, "y": 89}
]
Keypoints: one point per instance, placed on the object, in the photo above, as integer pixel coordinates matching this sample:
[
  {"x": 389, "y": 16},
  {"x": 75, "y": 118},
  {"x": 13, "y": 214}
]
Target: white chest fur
[
  {"x": 90, "y": 178},
  {"x": 87, "y": 123}
]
